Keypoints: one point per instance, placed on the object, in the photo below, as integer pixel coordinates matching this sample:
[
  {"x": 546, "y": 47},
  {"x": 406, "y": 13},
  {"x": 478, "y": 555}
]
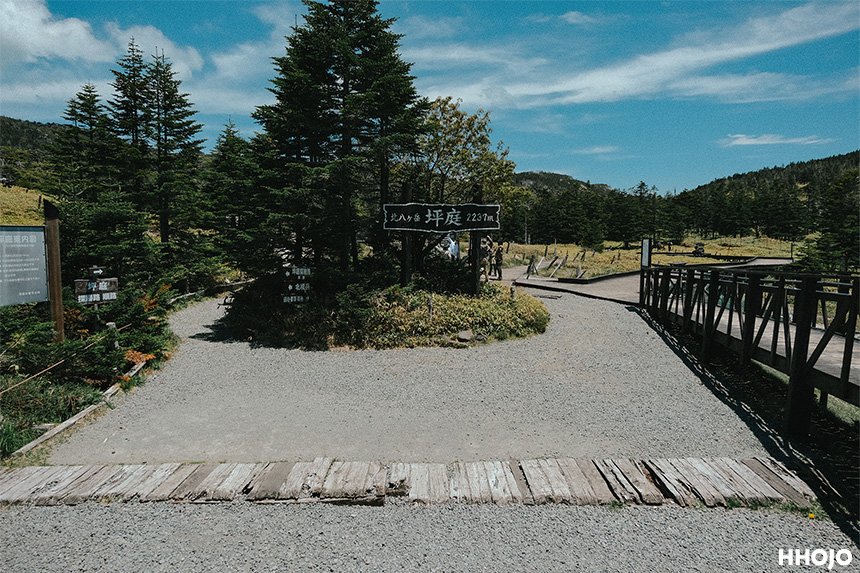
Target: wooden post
[
  {"x": 689, "y": 303},
  {"x": 55, "y": 281},
  {"x": 752, "y": 306},
  {"x": 664, "y": 295},
  {"x": 708, "y": 328},
  {"x": 801, "y": 395}
]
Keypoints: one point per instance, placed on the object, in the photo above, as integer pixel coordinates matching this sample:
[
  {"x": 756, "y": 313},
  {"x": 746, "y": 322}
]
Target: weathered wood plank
[
  {"x": 460, "y": 490},
  {"x": 53, "y": 495},
  {"x": 671, "y": 480},
  {"x": 268, "y": 482},
  {"x": 236, "y": 483},
  {"x": 22, "y": 488},
  {"x": 165, "y": 489},
  {"x": 757, "y": 484},
  {"x": 161, "y": 474},
  {"x": 57, "y": 483},
  {"x": 427, "y": 483},
  {"x": 500, "y": 489},
  {"x": 696, "y": 483},
  {"x": 598, "y": 485},
  {"x": 479, "y": 484},
  {"x": 538, "y": 484},
  {"x": 398, "y": 479},
  {"x": 787, "y": 476},
  {"x": 635, "y": 474},
  {"x": 83, "y": 490},
  {"x": 622, "y": 488},
  {"x": 556, "y": 480},
  {"x": 305, "y": 479},
  {"x": 517, "y": 483},
  {"x": 777, "y": 483},
  {"x": 187, "y": 488},
  {"x": 719, "y": 483},
  {"x": 118, "y": 483},
  {"x": 744, "y": 491},
  {"x": 10, "y": 478},
  {"x": 209, "y": 483},
  {"x": 580, "y": 490}
]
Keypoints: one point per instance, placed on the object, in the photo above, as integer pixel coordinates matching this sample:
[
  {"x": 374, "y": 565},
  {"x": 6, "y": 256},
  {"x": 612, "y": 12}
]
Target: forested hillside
[{"x": 779, "y": 202}]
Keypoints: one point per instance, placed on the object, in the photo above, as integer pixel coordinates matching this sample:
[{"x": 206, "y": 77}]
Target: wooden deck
[{"x": 686, "y": 482}]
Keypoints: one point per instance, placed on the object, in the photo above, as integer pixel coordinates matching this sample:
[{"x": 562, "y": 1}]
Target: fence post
[
  {"x": 708, "y": 327},
  {"x": 801, "y": 395},
  {"x": 664, "y": 295},
  {"x": 752, "y": 305},
  {"x": 689, "y": 303}
]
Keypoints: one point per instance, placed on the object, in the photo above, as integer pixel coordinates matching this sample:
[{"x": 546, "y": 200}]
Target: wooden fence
[{"x": 800, "y": 324}]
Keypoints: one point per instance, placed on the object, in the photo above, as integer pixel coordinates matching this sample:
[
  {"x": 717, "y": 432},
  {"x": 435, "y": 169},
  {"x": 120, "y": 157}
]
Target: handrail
[{"x": 802, "y": 324}]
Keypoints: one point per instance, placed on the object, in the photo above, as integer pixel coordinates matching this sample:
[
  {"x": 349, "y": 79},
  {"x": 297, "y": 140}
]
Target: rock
[{"x": 465, "y": 335}]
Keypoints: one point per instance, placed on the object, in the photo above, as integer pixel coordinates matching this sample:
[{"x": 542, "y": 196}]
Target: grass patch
[
  {"x": 19, "y": 206},
  {"x": 392, "y": 317}
]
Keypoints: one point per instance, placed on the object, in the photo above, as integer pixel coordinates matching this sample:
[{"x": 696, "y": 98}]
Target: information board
[
  {"x": 440, "y": 218},
  {"x": 297, "y": 288},
  {"x": 23, "y": 265},
  {"x": 96, "y": 291}
]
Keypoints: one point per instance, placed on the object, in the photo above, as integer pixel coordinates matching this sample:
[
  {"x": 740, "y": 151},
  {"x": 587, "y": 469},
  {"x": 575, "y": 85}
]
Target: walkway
[{"x": 685, "y": 482}]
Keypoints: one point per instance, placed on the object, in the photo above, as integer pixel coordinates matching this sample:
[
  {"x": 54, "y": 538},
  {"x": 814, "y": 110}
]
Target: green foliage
[
  {"x": 837, "y": 246},
  {"x": 393, "y": 317}
]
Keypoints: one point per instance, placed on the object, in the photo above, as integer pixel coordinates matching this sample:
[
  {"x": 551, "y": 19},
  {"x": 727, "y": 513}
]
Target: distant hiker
[{"x": 499, "y": 255}]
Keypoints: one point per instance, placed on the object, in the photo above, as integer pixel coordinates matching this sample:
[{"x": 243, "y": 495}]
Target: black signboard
[
  {"x": 440, "y": 218},
  {"x": 23, "y": 265},
  {"x": 95, "y": 291},
  {"x": 297, "y": 287}
]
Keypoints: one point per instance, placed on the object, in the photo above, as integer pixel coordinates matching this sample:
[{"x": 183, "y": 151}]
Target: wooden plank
[
  {"x": 398, "y": 479},
  {"x": 460, "y": 490},
  {"x": 500, "y": 490},
  {"x": 22, "y": 488},
  {"x": 580, "y": 490},
  {"x": 119, "y": 483},
  {"x": 57, "y": 483},
  {"x": 353, "y": 481},
  {"x": 479, "y": 484},
  {"x": 787, "y": 476},
  {"x": 636, "y": 476},
  {"x": 744, "y": 491},
  {"x": 538, "y": 485},
  {"x": 55, "y": 494},
  {"x": 83, "y": 490},
  {"x": 210, "y": 482},
  {"x": 187, "y": 488},
  {"x": 671, "y": 480},
  {"x": 427, "y": 483},
  {"x": 758, "y": 485},
  {"x": 622, "y": 488},
  {"x": 517, "y": 483},
  {"x": 159, "y": 476},
  {"x": 306, "y": 479},
  {"x": 165, "y": 489},
  {"x": 560, "y": 492},
  {"x": 696, "y": 483},
  {"x": 11, "y": 477},
  {"x": 777, "y": 483},
  {"x": 268, "y": 482},
  {"x": 236, "y": 483},
  {"x": 714, "y": 478},
  {"x": 595, "y": 480}
]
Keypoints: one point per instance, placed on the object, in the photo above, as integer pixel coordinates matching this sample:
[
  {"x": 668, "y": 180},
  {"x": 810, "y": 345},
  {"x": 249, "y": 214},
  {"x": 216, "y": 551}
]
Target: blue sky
[{"x": 674, "y": 93}]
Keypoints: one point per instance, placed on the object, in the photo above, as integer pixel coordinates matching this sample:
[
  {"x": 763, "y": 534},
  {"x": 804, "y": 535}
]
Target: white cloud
[
  {"x": 185, "y": 61},
  {"x": 771, "y": 139},
  {"x": 596, "y": 150},
  {"x": 577, "y": 18},
  {"x": 29, "y": 32},
  {"x": 421, "y": 27}
]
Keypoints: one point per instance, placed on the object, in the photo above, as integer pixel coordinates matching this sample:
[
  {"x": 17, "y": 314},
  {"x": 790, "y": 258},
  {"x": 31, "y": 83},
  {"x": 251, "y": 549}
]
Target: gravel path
[
  {"x": 244, "y": 537},
  {"x": 599, "y": 383}
]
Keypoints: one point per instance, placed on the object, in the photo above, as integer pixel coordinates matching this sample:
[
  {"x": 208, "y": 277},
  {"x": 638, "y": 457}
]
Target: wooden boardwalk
[{"x": 686, "y": 482}]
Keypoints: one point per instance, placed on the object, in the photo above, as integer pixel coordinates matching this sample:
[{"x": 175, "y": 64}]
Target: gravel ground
[
  {"x": 244, "y": 537},
  {"x": 599, "y": 383}
]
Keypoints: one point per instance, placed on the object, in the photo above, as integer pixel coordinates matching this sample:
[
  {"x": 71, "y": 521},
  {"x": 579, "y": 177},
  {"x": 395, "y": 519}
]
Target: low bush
[{"x": 392, "y": 317}]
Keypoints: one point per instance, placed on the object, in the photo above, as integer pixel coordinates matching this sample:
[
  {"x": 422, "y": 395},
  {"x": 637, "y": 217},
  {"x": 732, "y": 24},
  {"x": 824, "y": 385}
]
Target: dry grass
[{"x": 19, "y": 206}]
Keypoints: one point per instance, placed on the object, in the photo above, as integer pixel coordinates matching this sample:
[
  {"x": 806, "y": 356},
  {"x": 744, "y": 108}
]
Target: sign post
[{"x": 55, "y": 280}]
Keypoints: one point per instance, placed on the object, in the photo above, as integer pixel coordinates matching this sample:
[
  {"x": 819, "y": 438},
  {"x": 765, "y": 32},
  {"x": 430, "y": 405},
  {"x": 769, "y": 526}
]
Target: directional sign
[
  {"x": 23, "y": 265},
  {"x": 297, "y": 289},
  {"x": 95, "y": 291},
  {"x": 440, "y": 218}
]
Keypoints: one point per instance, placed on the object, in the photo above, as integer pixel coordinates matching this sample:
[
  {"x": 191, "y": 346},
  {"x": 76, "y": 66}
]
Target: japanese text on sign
[
  {"x": 297, "y": 289},
  {"x": 440, "y": 218},
  {"x": 23, "y": 265},
  {"x": 96, "y": 291}
]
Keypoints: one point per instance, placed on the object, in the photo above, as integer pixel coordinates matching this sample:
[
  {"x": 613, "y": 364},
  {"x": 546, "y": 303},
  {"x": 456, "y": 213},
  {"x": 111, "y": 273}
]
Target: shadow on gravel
[
  {"x": 827, "y": 461},
  {"x": 218, "y": 332}
]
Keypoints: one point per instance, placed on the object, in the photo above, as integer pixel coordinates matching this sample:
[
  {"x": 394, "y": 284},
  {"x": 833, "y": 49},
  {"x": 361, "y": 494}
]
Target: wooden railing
[{"x": 800, "y": 324}]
